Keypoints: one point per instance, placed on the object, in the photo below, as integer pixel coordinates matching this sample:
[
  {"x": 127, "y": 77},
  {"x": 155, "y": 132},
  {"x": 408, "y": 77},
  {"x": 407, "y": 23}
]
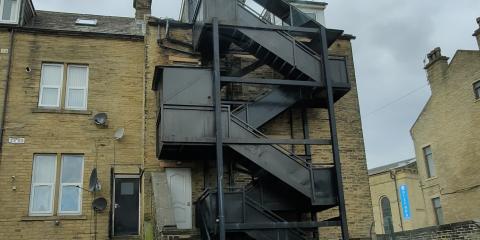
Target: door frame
[
  {"x": 126, "y": 176},
  {"x": 192, "y": 219}
]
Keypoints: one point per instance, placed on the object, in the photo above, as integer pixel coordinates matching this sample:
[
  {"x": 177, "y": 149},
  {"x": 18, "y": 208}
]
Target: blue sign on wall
[{"x": 405, "y": 202}]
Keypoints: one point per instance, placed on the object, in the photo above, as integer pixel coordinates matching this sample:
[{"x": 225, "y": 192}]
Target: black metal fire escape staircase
[{"x": 286, "y": 188}]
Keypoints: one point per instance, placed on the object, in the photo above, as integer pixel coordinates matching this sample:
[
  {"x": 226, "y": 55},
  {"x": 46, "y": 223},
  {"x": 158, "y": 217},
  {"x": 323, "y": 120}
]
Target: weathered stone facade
[
  {"x": 385, "y": 182},
  {"x": 469, "y": 230},
  {"x": 449, "y": 125},
  {"x": 115, "y": 87},
  {"x": 121, "y": 72}
]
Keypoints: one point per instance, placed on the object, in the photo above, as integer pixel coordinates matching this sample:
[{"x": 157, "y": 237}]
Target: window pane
[
  {"x": 77, "y": 76},
  {"x": 427, "y": 150},
  {"x": 44, "y": 169},
  {"x": 70, "y": 199},
  {"x": 431, "y": 167},
  {"x": 77, "y": 86},
  {"x": 76, "y": 98},
  {"x": 52, "y": 74},
  {"x": 42, "y": 199},
  {"x": 312, "y": 15},
  {"x": 126, "y": 188},
  {"x": 72, "y": 169},
  {"x": 9, "y": 9},
  {"x": 49, "y": 97}
]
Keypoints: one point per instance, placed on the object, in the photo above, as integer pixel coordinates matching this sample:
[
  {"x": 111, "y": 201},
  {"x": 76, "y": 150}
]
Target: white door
[{"x": 180, "y": 184}]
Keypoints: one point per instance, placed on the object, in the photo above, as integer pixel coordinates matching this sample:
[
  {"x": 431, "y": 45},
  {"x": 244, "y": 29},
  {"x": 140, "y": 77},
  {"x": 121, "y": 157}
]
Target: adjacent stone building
[
  {"x": 397, "y": 197},
  {"x": 76, "y": 95},
  {"x": 446, "y": 138}
]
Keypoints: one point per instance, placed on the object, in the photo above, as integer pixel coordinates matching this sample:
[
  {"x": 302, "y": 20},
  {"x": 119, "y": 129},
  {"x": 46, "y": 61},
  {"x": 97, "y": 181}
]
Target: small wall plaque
[
  {"x": 4, "y": 50},
  {"x": 16, "y": 140}
]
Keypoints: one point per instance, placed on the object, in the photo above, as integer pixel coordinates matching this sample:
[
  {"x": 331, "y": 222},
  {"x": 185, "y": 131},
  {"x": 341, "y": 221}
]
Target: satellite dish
[
  {"x": 119, "y": 133},
  {"x": 100, "y": 119},
  {"x": 94, "y": 185},
  {"x": 99, "y": 204}
]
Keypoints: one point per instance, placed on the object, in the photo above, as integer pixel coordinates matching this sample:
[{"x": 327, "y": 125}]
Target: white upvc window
[
  {"x": 43, "y": 185},
  {"x": 77, "y": 87},
  {"x": 9, "y": 11},
  {"x": 70, "y": 197},
  {"x": 51, "y": 85}
]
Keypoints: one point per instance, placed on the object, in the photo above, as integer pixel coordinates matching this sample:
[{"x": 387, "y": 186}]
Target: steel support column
[
  {"x": 333, "y": 133},
  {"x": 308, "y": 158},
  {"x": 218, "y": 128}
]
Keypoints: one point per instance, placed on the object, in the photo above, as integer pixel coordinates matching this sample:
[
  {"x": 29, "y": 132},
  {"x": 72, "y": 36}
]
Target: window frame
[
  {"x": 386, "y": 216},
  {"x": 33, "y": 185},
  {"x": 60, "y": 186},
  {"x": 15, "y": 14},
  {"x": 312, "y": 15},
  {"x": 429, "y": 163},
  {"x": 436, "y": 209},
  {"x": 59, "y": 89},
  {"x": 67, "y": 88},
  {"x": 476, "y": 89}
]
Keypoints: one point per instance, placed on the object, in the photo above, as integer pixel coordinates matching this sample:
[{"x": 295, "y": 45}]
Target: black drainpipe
[
  {"x": 7, "y": 81},
  {"x": 393, "y": 175}
]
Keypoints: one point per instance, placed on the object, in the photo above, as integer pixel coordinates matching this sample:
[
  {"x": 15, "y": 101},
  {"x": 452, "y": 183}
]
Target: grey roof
[
  {"x": 391, "y": 166},
  {"x": 59, "y": 21}
]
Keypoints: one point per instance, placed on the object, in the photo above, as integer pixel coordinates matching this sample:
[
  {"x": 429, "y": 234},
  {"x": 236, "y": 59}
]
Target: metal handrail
[
  {"x": 258, "y": 134},
  {"x": 289, "y": 36},
  {"x": 197, "y": 8}
]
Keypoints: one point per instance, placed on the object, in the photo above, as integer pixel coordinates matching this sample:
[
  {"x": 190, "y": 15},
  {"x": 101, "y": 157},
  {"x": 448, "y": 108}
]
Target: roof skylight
[{"x": 86, "y": 22}]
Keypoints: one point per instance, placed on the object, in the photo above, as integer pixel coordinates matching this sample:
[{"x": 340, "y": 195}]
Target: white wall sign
[{"x": 16, "y": 140}]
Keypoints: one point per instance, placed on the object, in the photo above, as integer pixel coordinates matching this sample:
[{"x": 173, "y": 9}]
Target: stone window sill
[
  {"x": 62, "y": 111},
  {"x": 53, "y": 218}
]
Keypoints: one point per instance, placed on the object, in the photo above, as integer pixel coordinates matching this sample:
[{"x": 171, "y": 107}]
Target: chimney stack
[
  {"x": 437, "y": 66},
  {"x": 477, "y": 32},
  {"x": 142, "y": 8}
]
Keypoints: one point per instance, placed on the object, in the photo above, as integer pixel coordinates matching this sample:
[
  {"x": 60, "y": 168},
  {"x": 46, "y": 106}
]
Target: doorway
[
  {"x": 126, "y": 207},
  {"x": 180, "y": 185}
]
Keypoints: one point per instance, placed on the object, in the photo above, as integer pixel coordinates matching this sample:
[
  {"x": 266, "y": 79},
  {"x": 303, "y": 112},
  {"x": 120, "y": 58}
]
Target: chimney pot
[
  {"x": 434, "y": 56},
  {"x": 477, "y": 32},
  {"x": 142, "y": 8}
]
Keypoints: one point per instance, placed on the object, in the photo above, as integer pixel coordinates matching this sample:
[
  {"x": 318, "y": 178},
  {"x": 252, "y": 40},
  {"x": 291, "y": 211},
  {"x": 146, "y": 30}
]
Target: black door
[{"x": 126, "y": 206}]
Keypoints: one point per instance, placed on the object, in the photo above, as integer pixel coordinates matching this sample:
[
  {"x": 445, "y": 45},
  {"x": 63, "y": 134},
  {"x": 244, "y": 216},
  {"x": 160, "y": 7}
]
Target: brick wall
[
  {"x": 115, "y": 87},
  {"x": 453, "y": 109},
  {"x": 357, "y": 194},
  {"x": 469, "y": 230},
  {"x": 4, "y": 45}
]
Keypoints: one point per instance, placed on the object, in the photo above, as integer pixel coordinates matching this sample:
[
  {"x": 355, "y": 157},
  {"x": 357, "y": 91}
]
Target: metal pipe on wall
[
  {"x": 218, "y": 128},
  {"x": 7, "y": 82},
  {"x": 393, "y": 176}
]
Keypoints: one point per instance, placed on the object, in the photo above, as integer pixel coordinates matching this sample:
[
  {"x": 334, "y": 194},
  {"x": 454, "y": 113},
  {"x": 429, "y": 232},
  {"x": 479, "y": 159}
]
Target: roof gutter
[{"x": 5, "y": 93}]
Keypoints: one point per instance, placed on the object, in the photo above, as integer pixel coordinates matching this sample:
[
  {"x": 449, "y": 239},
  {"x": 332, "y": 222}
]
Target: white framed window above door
[{"x": 180, "y": 185}]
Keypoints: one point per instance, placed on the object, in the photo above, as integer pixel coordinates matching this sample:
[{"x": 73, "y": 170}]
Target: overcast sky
[{"x": 393, "y": 38}]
